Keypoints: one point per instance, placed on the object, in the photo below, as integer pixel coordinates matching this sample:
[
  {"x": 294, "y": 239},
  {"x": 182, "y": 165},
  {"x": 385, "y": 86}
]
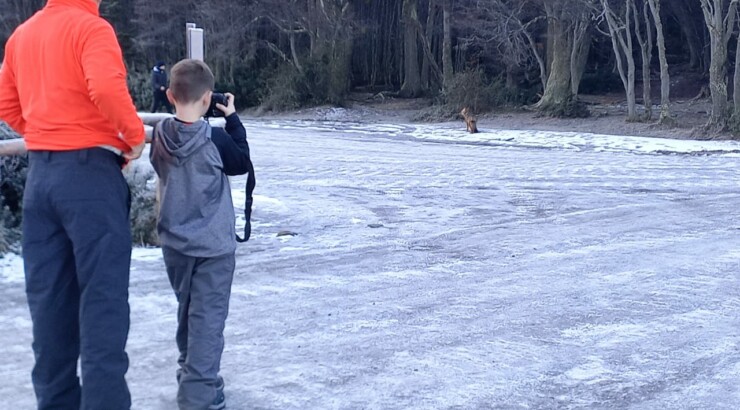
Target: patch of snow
[
  {"x": 576, "y": 141},
  {"x": 591, "y": 372},
  {"x": 146, "y": 254},
  {"x": 11, "y": 269}
]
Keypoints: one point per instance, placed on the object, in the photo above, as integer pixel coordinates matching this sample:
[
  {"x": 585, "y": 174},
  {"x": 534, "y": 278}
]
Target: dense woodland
[{"x": 541, "y": 54}]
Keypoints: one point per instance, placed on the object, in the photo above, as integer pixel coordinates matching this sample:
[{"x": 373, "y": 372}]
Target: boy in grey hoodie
[{"x": 196, "y": 226}]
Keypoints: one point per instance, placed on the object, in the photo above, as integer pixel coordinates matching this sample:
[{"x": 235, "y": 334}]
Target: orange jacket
[{"x": 63, "y": 82}]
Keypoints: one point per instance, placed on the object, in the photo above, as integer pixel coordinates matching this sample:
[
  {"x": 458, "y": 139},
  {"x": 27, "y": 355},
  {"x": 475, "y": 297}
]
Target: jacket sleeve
[
  {"x": 10, "y": 106},
  {"x": 159, "y": 79},
  {"x": 105, "y": 74},
  {"x": 232, "y": 146}
]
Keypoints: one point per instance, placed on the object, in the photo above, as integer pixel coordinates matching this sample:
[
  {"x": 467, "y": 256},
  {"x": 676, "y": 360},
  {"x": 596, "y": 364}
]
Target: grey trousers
[{"x": 203, "y": 288}]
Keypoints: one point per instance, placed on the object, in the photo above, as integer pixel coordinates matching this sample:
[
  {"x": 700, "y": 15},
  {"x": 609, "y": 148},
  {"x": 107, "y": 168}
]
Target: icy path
[{"x": 502, "y": 277}]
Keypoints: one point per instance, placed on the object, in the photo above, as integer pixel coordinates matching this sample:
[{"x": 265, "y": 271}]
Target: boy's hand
[{"x": 227, "y": 109}]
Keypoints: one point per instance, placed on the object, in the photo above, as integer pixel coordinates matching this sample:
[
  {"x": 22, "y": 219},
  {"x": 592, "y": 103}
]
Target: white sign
[
  {"x": 196, "y": 43},
  {"x": 188, "y": 26}
]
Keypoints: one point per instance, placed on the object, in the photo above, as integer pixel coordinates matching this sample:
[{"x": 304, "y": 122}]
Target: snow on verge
[
  {"x": 577, "y": 141},
  {"x": 11, "y": 268}
]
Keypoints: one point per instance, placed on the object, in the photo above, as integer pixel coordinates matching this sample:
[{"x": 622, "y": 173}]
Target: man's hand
[
  {"x": 135, "y": 152},
  {"x": 230, "y": 108}
]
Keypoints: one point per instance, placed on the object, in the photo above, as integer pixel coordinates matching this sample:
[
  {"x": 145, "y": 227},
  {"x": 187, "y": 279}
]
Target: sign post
[{"x": 195, "y": 39}]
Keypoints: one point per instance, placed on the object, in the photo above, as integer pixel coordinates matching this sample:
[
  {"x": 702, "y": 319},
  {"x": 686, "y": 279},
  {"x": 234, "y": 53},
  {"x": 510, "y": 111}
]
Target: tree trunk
[
  {"x": 294, "y": 54},
  {"x": 313, "y": 35},
  {"x": 720, "y": 21},
  {"x": 665, "y": 77},
  {"x": 718, "y": 83},
  {"x": 544, "y": 73},
  {"x": 684, "y": 12},
  {"x": 552, "y": 34},
  {"x": 736, "y": 90},
  {"x": 342, "y": 39},
  {"x": 579, "y": 54},
  {"x": 621, "y": 35},
  {"x": 412, "y": 79},
  {"x": 511, "y": 82},
  {"x": 631, "y": 102},
  {"x": 646, "y": 49},
  {"x": 447, "y": 42},
  {"x": 425, "y": 67},
  {"x": 341, "y": 67},
  {"x": 427, "y": 53},
  {"x": 736, "y": 81},
  {"x": 558, "y": 90}
]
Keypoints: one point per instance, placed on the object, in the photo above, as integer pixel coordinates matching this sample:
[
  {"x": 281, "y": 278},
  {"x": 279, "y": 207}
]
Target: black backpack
[{"x": 251, "y": 183}]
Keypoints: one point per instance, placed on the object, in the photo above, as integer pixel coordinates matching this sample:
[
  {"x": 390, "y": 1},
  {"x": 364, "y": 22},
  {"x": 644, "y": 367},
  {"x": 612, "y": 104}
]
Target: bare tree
[
  {"x": 564, "y": 18},
  {"x": 646, "y": 48},
  {"x": 620, "y": 32},
  {"x": 581, "y": 48},
  {"x": 411, "y": 79},
  {"x": 504, "y": 29},
  {"x": 327, "y": 27},
  {"x": 447, "y": 42},
  {"x": 719, "y": 16},
  {"x": 558, "y": 89},
  {"x": 736, "y": 85},
  {"x": 432, "y": 17},
  {"x": 665, "y": 78},
  {"x": 241, "y": 35},
  {"x": 690, "y": 21}
]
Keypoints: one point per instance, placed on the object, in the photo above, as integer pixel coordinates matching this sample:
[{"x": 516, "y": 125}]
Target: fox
[{"x": 469, "y": 120}]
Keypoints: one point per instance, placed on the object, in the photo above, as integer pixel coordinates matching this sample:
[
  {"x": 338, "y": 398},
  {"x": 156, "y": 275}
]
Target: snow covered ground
[{"x": 437, "y": 270}]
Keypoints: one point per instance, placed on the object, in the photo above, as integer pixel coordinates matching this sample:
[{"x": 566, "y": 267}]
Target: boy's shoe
[
  {"x": 220, "y": 384},
  {"x": 219, "y": 402}
]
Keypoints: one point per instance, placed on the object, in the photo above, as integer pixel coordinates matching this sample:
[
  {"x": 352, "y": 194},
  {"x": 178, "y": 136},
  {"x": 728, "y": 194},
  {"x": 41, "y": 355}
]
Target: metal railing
[{"x": 18, "y": 147}]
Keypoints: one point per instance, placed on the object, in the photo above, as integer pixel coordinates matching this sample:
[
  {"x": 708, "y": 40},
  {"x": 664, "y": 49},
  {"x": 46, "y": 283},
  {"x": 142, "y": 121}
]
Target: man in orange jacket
[{"x": 63, "y": 87}]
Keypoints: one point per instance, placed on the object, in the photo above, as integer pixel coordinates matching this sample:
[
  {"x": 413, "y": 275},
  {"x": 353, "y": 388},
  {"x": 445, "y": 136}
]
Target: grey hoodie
[{"x": 196, "y": 214}]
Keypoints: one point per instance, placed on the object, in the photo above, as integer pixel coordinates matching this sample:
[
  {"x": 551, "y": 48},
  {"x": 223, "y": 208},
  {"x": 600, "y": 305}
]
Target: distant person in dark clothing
[{"x": 159, "y": 86}]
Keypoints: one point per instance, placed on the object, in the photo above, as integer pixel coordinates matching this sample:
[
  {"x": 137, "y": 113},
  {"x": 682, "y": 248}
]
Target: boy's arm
[
  {"x": 232, "y": 146},
  {"x": 238, "y": 134}
]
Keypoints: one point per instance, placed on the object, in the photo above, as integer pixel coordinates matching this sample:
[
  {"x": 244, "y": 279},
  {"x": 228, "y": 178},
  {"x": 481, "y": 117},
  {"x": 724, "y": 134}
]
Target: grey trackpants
[{"x": 203, "y": 288}]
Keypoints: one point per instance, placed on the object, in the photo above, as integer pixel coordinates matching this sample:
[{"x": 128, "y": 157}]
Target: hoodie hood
[{"x": 179, "y": 140}]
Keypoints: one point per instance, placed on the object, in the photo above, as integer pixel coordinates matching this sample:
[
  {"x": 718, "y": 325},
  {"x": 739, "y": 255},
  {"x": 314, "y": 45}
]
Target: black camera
[{"x": 213, "y": 111}]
